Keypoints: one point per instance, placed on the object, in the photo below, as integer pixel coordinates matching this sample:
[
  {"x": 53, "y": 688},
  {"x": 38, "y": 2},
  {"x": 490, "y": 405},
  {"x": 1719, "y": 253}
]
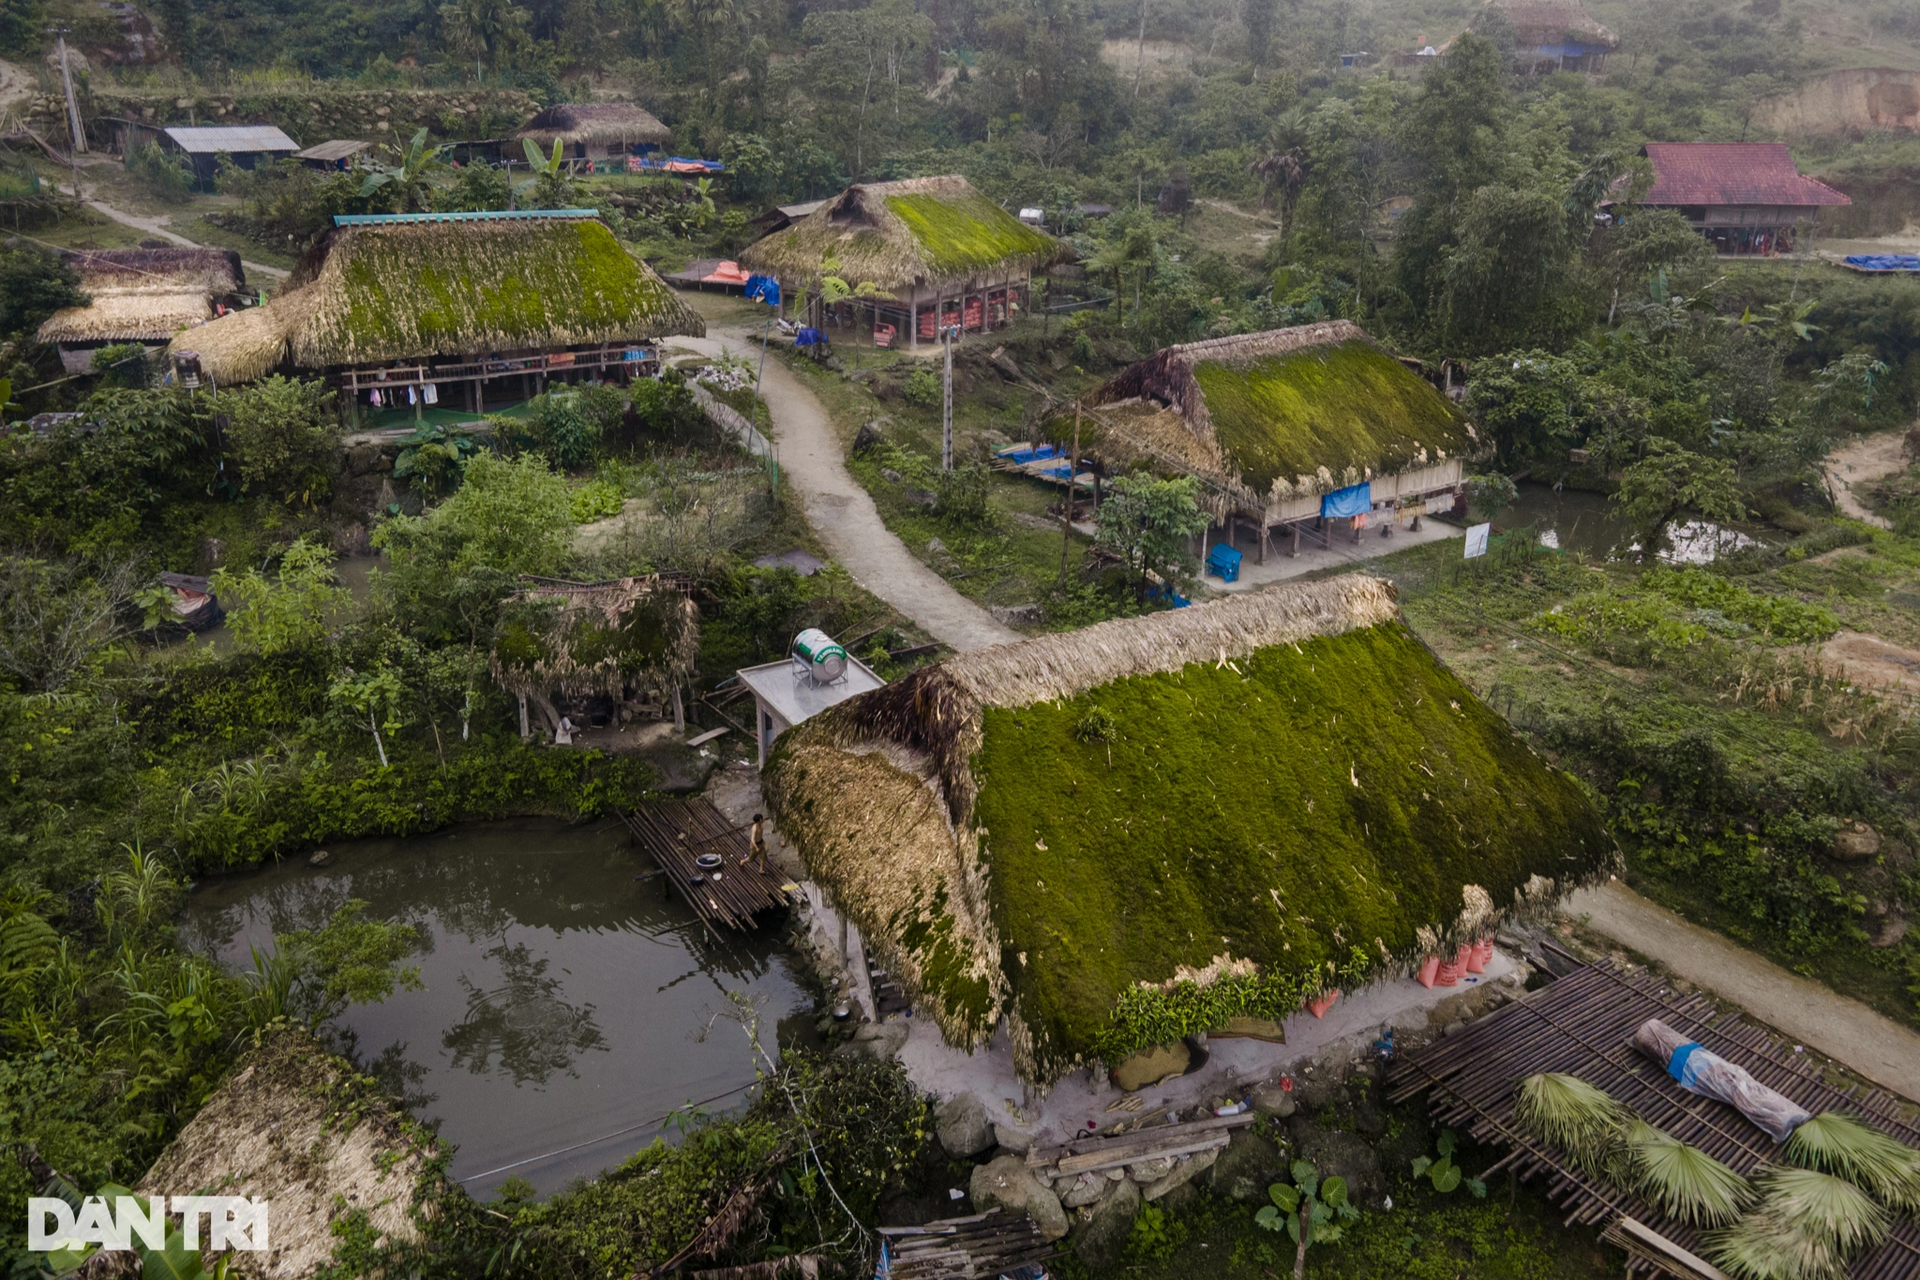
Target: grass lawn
[{"x": 1724, "y": 765}]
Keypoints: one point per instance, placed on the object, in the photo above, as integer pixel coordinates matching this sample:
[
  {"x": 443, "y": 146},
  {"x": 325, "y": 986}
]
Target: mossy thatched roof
[
  {"x": 408, "y": 291},
  {"x": 600, "y": 638},
  {"x": 1269, "y": 416},
  {"x": 1261, "y": 785},
  {"x": 898, "y": 235},
  {"x": 1548, "y": 22},
  {"x": 300, "y": 1127},
  {"x": 596, "y": 122}
]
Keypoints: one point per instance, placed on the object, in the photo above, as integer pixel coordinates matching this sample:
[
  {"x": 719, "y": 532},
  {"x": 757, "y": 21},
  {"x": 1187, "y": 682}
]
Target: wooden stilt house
[
  {"x": 939, "y": 252},
  {"x": 1286, "y": 430},
  {"x": 462, "y": 310}
]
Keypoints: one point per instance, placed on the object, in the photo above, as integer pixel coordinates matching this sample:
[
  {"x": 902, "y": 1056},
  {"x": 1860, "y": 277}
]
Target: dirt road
[
  {"x": 1861, "y": 461},
  {"x": 157, "y": 226},
  {"x": 843, "y": 513},
  {"x": 1845, "y": 1030}
]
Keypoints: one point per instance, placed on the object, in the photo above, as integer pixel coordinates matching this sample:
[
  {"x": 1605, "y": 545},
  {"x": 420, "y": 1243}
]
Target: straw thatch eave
[
  {"x": 963, "y": 821},
  {"x": 412, "y": 291},
  {"x": 603, "y": 639},
  {"x": 596, "y": 123},
  {"x": 217, "y": 272},
  {"x": 1305, "y": 410},
  {"x": 906, "y": 235},
  {"x": 128, "y": 316}
]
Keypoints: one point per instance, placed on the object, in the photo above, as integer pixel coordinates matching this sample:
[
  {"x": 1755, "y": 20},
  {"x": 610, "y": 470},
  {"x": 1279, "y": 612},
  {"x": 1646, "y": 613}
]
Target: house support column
[{"x": 679, "y": 712}]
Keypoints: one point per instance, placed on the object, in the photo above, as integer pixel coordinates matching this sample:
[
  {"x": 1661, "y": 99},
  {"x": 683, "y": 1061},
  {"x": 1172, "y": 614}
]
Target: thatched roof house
[
  {"x": 1080, "y": 833},
  {"x": 1274, "y": 423},
  {"x": 140, "y": 295},
  {"x": 941, "y": 251},
  {"x": 597, "y": 128},
  {"x": 606, "y": 639},
  {"x": 297, "y": 1126},
  {"x": 442, "y": 292}
]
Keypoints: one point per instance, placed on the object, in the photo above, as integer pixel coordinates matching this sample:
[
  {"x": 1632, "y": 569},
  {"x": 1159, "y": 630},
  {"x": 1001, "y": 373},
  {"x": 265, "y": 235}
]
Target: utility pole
[
  {"x": 1073, "y": 470},
  {"x": 946, "y": 407},
  {"x": 73, "y": 107}
]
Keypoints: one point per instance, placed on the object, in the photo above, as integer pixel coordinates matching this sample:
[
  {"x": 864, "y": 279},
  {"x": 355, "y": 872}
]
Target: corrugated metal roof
[
  {"x": 232, "y": 138},
  {"x": 338, "y": 149},
  {"x": 1732, "y": 173},
  {"x": 490, "y": 215}
]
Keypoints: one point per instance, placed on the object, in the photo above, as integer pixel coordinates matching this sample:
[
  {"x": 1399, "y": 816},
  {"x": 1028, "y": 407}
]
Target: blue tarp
[
  {"x": 1223, "y": 562},
  {"x": 763, "y": 289},
  {"x": 1885, "y": 261},
  {"x": 1353, "y": 501},
  {"x": 808, "y": 338}
]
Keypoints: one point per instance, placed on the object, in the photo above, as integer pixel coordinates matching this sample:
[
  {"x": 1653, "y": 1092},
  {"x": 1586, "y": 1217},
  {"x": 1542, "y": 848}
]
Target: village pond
[
  {"x": 566, "y": 1009},
  {"x": 1581, "y": 520}
]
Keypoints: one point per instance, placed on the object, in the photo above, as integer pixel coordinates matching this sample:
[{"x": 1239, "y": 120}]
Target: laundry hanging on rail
[{"x": 430, "y": 393}]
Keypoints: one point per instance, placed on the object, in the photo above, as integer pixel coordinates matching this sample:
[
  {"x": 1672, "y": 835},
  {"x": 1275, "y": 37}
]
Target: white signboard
[{"x": 1477, "y": 540}]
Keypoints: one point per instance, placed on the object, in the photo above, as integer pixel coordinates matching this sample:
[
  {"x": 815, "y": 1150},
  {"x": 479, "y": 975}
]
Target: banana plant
[
  {"x": 408, "y": 178},
  {"x": 1310, "y": 1211},
  {"x": 549, "y": 184},
  {"x": 1443, "y": 1173}
]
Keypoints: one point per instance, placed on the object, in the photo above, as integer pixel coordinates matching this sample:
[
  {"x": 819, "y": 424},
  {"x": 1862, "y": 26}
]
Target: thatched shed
[
  {"x": 1123, "y": 834},
  {"x": 941, "y": 252},
  {"x": 451, "y": 299},
  {"x": 597, "y": 129},
  {"x": 296, "y": 1126},
  {"x": 141, "y": 295},
  {"x": 630, "y": 637},
  {"x": 1274, "y": 424}
]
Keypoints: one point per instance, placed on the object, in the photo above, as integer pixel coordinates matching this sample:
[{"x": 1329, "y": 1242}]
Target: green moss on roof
[
  {"x": 1336, "y": 794},
  {"x": 967, "y": 233},
  {"x": 1346, "y": 404},
  {"x": 394, "y": 292}
]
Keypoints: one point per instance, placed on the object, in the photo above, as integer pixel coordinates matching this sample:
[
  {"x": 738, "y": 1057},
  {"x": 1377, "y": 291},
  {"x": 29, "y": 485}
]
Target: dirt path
[
  {"x": 844, "y": 514},
  {"x": 157, "y": 226},
  {"x": 1861, "y": 461},
  {"x": 1843, "y": 1029}
]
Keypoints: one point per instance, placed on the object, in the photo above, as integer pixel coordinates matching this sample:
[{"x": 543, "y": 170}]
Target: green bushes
[
  {"x": 1671, "y": 610},
  {"x": 282, "y": 434},
  {"x": 166, "y": 176}
]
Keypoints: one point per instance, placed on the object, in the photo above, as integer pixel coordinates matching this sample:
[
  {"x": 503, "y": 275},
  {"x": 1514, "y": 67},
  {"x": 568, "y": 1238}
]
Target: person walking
[{"x": 757, "y": 842}]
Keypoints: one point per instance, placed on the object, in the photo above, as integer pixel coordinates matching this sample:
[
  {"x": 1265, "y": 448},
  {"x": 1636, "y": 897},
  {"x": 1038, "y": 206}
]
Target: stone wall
[{"x": 309, "y": 113}]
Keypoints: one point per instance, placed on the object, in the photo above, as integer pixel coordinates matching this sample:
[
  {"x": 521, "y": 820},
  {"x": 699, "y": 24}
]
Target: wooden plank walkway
[
  {"x": 981, "y": 1247},
  {"x": 1582, "y": 1024},
  {"x": 677, "y": 832}
]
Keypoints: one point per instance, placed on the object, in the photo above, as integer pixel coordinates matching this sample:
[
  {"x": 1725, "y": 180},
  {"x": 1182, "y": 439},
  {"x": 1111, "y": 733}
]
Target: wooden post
[
  {"x": 524, "y": 731},
  {"x": 679, "y": 712},
  {"x": 1294, "y": 553},
  {"x": 1066, "y": 520}
]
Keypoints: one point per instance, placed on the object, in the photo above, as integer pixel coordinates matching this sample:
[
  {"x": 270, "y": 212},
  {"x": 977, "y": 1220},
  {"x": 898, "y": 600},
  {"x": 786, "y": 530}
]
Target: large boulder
[
  {"x": 1018, "y": 1141},
  {"x": 1100, "y": 1240},
  {"x": 1006, "y": 1181},
  {"x": 962, "y": 1126},
  {"x": 1185, "y": 1170},
  {"x": 1150, "y": 1066},
  {"x": 1081, "y": 1190},
  {"x": 1247, "y": 1166},
  {"x": 1272, "y": 1100},
  {"x": 1856, "y": 843}
]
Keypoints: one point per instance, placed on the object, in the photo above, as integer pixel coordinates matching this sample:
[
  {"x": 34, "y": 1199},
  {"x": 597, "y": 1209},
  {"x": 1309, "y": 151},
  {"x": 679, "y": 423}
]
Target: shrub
[
  {"x": 557, "y": 429},
  {"x": 923, "y": 388},
  {"x": 123, "y": 364},
  {"x": 166, "y": 176},
  {"x": 282, "y": 435}
]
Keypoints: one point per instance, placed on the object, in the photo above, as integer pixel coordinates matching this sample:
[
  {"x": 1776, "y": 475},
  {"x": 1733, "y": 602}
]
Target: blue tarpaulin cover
[
  {"x": 763, "y": 289},
  {"x": 1885, "y": 261},
  {"x": 808, "y": 337},
  {"x": 1352, "y": 501}
]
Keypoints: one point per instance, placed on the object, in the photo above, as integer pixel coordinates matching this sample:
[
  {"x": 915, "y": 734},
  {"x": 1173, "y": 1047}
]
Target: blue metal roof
[{"x": 488, "y": 215}]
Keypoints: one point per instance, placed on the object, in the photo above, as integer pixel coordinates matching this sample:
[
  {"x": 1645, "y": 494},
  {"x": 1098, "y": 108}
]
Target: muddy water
[
  {"x": 1577, "y": 520},
  {"x": 566, "y": 1006}
]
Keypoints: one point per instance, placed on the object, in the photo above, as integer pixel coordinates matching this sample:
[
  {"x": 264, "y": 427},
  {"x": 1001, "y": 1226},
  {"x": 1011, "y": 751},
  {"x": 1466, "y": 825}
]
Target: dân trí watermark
[{"x": 233, "y": 1222}]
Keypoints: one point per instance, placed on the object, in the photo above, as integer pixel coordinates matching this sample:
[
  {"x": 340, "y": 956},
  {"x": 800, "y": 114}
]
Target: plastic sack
[{"x": 1700, "y": 1070}]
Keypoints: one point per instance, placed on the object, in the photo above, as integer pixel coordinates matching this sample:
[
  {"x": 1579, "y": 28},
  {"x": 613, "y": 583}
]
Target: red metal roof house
[{"x": 1745, "y": 197}]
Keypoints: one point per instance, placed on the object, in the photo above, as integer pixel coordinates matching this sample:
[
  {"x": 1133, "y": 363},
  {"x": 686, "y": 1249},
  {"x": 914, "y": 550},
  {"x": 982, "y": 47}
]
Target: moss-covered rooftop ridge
[
  {"x": 1275, "y": 415},
  {"x": 900, "y": 235},
  {"x": 367, "y": 294},
  {"x": 1283, "y": 791}
]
